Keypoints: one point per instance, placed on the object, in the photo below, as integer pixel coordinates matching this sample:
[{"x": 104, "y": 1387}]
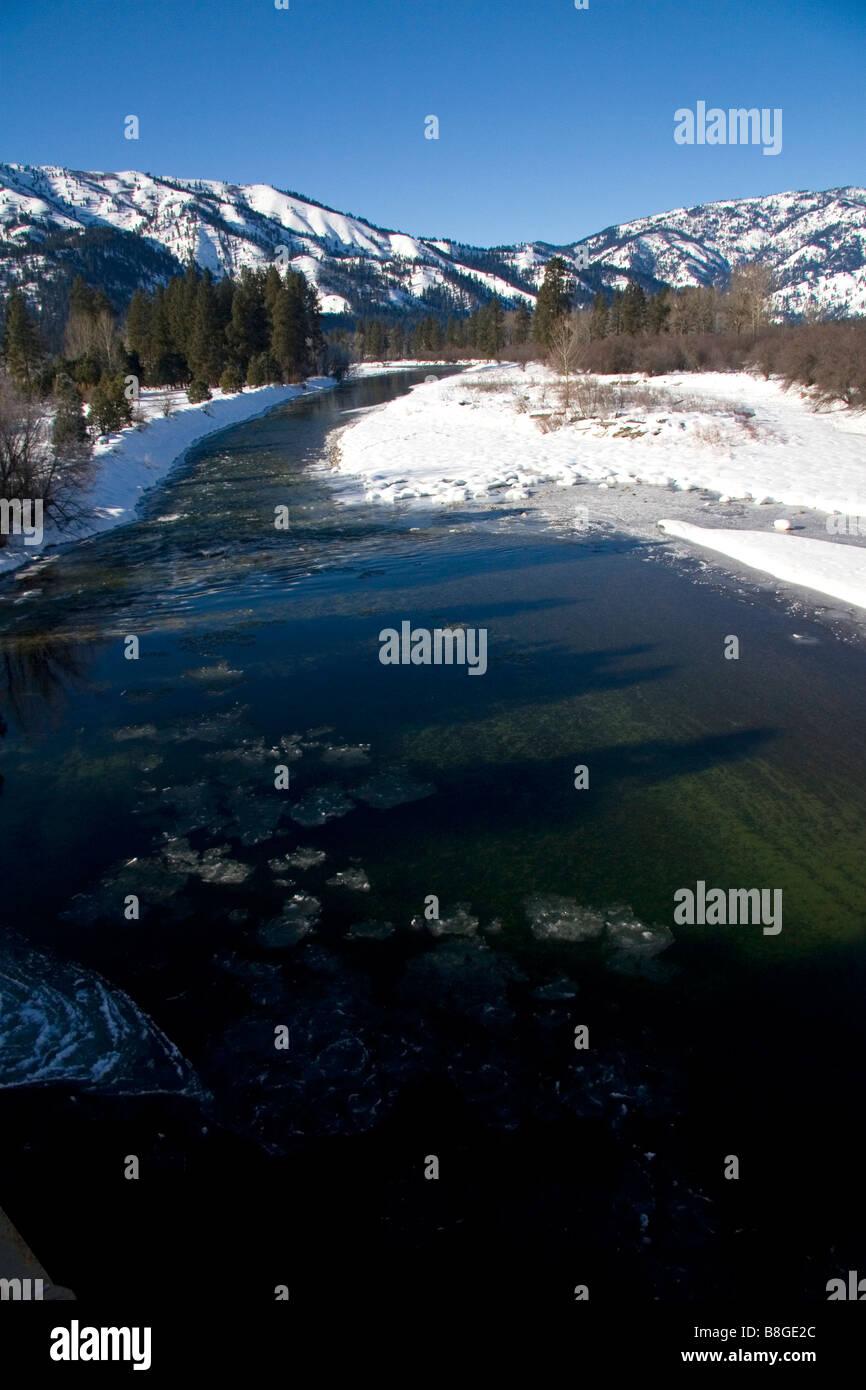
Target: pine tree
[
  {"x": 22, "y": 348},
  {"x": 69, "y": 434},
  {"x": 633, "y": 309},
  {"x": 491, "y": 333},
  {"x": 138, "y": 325},
  {"x": 109, "y": 408},
  {"x": 288, "y": 326},
  {"x": 522, "y": 326},
  {"x": 205, "y": 353},
  {"x": 248, "y": 331},
  {"x": 598, "y": 317},
  {"x": 396, "y": 342},
  {"x": 554, "y": 299}
]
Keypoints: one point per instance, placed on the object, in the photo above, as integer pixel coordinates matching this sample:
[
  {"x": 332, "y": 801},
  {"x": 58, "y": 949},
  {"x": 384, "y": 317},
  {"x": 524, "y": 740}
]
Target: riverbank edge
[{"x": 151, "y": 452}]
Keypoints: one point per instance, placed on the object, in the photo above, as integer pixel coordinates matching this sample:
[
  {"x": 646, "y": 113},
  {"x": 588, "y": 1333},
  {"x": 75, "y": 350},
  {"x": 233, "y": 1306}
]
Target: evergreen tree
[
  {"x": 554, "y": 299},
  {"x": 205, "y": 352},
  {"x": 634, "y": 311},
  {"x": 522, "y": 326},
  {"x": 248, "y": 332},
  {"x": 138, "y": 325},
  {"x": 69, "y": 434},
  {"x": 396, "y": 342},
  {"x": 658, "y": 312},
  {"x": 491, "y": 330},
  {"x": 376, "y": 341},
  {"x": 315, "y": 338},
  {"x": 288, "y": 326},
  {"x": 22, "y": 348},
  {"x": 272, "y": 288},
  {"x": 598, "y": 317},
  {"x": 109, "y": 408}
]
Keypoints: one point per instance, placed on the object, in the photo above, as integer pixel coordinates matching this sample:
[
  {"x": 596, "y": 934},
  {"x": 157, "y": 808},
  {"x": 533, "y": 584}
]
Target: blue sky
[{"x": 554, "y": 122}]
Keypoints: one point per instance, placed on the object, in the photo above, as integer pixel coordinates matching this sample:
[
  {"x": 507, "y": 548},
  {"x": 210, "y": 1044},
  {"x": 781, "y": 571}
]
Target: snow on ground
[
  {"x": 128, "y": 463},
  {"x": 727, "y": 444},
  {"x": 494, "y": 431},
  {"x": 837, "y": 570}
]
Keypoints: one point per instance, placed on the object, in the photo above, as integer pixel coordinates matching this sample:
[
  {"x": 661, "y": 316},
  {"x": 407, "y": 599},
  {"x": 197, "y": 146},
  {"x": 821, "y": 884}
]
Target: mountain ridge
[{"x": 149, "y": 226}]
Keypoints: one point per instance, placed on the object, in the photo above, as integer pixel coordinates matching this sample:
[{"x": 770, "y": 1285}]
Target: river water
[{"x": 149, "y": 1029}]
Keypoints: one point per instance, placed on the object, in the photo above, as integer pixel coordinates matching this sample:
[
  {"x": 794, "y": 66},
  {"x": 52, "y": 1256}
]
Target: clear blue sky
[{"x": 554, "y": 122}]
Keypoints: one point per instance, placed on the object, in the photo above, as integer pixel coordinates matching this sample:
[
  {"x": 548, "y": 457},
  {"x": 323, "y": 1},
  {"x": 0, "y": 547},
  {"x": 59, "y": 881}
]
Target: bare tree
[
  {"x": 563, "y": 354},
  {"x": 749, "y": 297},
  {"x": 29, "y": 467}
]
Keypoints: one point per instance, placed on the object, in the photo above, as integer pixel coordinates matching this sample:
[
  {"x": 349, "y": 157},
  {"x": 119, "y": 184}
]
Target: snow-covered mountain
[
  {"x": 131, "y": 228},
  {"x": 814, "y": 242}
]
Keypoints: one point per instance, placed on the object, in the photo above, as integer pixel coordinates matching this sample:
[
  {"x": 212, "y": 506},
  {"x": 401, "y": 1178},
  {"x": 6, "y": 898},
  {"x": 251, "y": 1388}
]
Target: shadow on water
[{"x": 257, "y": 646}]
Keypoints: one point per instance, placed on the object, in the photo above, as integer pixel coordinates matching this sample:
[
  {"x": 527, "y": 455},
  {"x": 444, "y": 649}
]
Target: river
[{"x": 303, "y": 908}]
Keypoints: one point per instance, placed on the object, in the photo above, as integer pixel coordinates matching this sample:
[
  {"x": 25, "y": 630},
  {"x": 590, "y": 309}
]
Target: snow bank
[
  {"x": 455, "y": 440},
  {"x": 826, "y": 567},
  {"x": 128, "y": 463}
]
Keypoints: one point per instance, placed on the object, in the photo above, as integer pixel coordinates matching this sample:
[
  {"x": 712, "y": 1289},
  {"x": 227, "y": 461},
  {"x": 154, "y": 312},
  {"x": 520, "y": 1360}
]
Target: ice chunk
[
  {"x": 299, "y": 916},
  {"x": 393, "y": 787},
  {"x": 626, "y": 933},
  {"x": 355, "y": 879},
  {"x": 347, "y": 755},
  {"x": 556, "y": 918},
  {"x": 459, "y": 923},
  {"x": 304, "y": 858},
  {"x": 320, "y": 805}
]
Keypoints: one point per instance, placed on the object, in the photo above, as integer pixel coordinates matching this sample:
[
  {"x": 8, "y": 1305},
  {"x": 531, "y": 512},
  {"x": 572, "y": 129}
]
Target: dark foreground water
[{"x": 262, "y": 910}]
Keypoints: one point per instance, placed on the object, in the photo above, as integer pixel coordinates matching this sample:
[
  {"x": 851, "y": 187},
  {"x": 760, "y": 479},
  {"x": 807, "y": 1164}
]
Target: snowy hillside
[
  {"x": 815, "y": 243},
  {"x": 224, "y": 227}
]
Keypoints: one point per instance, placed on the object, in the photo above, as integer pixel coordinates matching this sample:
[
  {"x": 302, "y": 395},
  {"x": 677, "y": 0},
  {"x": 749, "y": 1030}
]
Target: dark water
[{"x": 409, "y": 1038}]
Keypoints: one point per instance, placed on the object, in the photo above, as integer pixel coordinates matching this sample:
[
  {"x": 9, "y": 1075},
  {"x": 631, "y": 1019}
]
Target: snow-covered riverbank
[
  {"x": 128, "y": 463},
  {"x": 732, "y": 443}
]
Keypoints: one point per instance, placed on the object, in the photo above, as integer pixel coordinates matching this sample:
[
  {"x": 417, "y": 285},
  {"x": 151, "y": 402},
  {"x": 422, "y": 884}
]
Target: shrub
[
  {"x": 109, "y": 408},
  {"x": 231, "y": 380},
  {"x": 198, "y": 391}
]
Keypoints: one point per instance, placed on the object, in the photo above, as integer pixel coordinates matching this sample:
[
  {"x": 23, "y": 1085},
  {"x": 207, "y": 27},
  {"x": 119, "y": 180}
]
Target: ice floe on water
[
  {"x": 319, "y": 805},
  {"x": 392, "y": 787},
  {"x": 553, "y": 917},
  {"x": 633, "y": 937},
  {"x": 299, "y": 916},
  {"x": 354, "y": 879},
  {"x": 346, "y": 755},
  {"x": 460, "y": 922},
  {"x": 304, "y": 857},
  {"x": 256, "y": 819},
  {"x": 219, "y": 674},
  {"x": 61, "y": 1023},
  {"x": 556, "y": 918}
]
